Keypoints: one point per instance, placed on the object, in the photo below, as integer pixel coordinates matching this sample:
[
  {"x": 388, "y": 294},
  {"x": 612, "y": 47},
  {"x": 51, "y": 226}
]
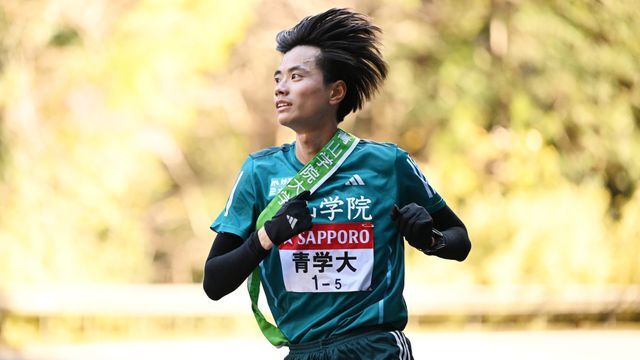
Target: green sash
[{"x": 312, "y": 175}]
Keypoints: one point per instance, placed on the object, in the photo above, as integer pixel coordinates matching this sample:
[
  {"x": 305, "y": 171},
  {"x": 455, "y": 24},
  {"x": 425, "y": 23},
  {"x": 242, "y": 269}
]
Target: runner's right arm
[{"x": 231, "y": 260}]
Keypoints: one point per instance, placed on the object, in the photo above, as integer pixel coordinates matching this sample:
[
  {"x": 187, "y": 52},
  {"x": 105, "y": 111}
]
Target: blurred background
[{"x": 123, "y": 125}]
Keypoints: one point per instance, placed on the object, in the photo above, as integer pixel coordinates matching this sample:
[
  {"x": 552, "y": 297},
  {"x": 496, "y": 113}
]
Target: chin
[{"x": 285, "y": 120}]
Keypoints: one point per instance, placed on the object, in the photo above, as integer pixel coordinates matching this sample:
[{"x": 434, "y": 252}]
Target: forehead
[{"x": 300, "y": 56}]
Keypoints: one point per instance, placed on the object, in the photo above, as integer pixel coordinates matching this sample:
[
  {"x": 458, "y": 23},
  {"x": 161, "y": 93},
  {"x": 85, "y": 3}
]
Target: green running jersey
[{"x": 347, "y": 272}]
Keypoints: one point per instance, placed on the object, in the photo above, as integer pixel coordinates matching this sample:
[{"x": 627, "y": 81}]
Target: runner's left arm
[
  {"x": 420, "y": 209},
  {"x": 457, "y": 244},
  {"x": 450, "y": 241}
]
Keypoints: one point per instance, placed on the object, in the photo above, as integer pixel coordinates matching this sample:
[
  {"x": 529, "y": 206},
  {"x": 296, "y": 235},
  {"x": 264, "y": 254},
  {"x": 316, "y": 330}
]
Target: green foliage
[
  {"x": 65, "y": 36},
  {"x": 526, "y": 120},
  {"x": 96, "y": 185}
]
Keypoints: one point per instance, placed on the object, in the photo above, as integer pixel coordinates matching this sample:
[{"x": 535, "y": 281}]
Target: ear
[{"x": 338, "y": 92}]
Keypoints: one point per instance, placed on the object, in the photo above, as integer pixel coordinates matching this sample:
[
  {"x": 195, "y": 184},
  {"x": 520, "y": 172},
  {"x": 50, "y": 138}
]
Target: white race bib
[{"x": 329, "y": 258}]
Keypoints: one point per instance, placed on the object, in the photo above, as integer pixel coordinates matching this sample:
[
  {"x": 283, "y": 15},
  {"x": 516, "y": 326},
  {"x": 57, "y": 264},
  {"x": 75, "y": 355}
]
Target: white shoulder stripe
[
  {"x": 421, "y": 176},
  {"x": 233, "y": 191}
]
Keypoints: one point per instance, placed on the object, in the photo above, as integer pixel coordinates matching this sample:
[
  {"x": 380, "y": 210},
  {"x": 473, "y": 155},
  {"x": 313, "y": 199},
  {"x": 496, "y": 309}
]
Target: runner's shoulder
[
  {"x": 377, "y": 144},
  {"x": 270, "y": 151},
  {"x": 378, "y": 147}
]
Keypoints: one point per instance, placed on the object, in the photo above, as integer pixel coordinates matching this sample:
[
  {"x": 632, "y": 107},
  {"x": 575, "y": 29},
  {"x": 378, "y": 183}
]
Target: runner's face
[{"x": 301, "y": 97}]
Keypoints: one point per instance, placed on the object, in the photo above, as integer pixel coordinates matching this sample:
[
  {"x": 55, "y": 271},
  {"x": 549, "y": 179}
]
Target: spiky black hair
[{"x": 348, "y": 44}]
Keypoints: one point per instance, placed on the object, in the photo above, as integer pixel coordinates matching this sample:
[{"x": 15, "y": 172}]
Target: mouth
[{"x": 282, "y": 105}]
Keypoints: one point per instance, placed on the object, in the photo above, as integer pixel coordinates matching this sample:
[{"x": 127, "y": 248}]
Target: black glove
[
  {"x": 293, "y": 218},
  {"x": 416, "y": 225}
]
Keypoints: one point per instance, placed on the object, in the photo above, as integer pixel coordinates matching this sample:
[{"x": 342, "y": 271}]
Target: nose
[{"x": 281, "y": 88}]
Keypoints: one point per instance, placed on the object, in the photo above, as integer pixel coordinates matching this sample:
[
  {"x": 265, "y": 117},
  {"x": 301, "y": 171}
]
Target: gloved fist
[
  {"x": 415, "y": 224},
  {"x": 293, "y": 218}
]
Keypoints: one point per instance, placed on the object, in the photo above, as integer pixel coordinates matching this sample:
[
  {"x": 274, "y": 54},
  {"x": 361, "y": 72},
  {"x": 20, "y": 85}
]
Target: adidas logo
[
  {"x": 355, "y": 180},
  {"x": 292, "y": 221}
]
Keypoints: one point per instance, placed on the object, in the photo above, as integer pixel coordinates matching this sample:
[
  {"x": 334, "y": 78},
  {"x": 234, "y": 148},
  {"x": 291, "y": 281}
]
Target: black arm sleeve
[
  {"x": 230, "y": 262},
  {"x": 455, "y": 233}
]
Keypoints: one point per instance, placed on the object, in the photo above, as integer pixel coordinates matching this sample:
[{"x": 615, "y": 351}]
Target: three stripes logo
[
  {"x": 292, "y": 221},
  {"x": 355, "y": 180}
]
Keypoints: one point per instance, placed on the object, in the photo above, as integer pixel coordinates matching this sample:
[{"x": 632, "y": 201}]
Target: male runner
[{"x": 331, "y": 260}]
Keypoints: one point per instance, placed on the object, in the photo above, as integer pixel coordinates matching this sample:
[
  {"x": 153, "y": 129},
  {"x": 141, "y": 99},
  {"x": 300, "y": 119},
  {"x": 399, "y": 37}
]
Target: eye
[
  {"x": 276, "y": 79},
  {"x": 295, "y": 76}
]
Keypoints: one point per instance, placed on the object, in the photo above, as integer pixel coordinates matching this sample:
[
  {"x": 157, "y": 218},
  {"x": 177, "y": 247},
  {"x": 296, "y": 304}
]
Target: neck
[{"x": 309, "y": 143}]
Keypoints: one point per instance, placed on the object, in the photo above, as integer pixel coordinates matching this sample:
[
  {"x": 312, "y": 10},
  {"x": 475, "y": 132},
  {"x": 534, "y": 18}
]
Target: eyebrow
[{"x": 291, "y": 69}]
